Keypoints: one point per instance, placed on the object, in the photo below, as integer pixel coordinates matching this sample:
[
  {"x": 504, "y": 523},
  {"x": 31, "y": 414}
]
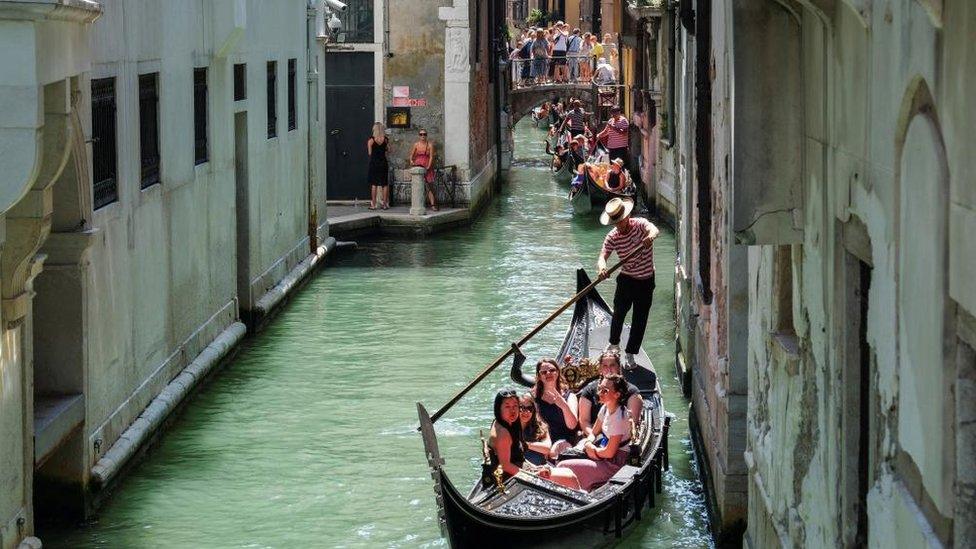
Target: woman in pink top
[
  {"x": 613, "y": 426},
  {"x": 422, "y": 155}
]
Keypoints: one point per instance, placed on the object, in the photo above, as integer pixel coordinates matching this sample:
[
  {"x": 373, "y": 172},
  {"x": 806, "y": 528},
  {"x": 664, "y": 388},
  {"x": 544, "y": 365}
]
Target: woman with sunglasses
[
  {"x": 506, "y": 446},
  {"x": 534, "y": 431},
  {"x": 422, "y": 155},
  {"x": 613, "y": 423},
  {"x": 556, "y": 403}
]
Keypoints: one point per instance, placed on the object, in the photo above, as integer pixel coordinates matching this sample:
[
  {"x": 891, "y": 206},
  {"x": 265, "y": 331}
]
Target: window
[
  {"x": 272, "y": 99},
  {"x": 149, "y": 128},
  {"x": 292, "y": 68},
  {"x": 357, "y": 22},
  {"x": 201, "y": 145},
  {"x": 240, "y": 82},
  {"x": 104, "y": 164},
  {"x": 783, "y": 290}
]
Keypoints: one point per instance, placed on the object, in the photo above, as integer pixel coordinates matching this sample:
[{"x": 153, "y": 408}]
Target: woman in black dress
[{"x": 379, "y": 168}]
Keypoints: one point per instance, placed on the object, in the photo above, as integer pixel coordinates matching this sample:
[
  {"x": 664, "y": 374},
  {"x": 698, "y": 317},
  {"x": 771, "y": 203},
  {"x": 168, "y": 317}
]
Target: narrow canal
[{"x": 307, "y": 439}]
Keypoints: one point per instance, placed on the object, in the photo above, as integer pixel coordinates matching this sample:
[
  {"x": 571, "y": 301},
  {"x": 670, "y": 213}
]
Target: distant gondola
[
  {"x": 579, "y": 198},
  {"x": 599, "y": 194},
  {"x": 566, "y": 169},
  {"x": 526, "y": 510}
]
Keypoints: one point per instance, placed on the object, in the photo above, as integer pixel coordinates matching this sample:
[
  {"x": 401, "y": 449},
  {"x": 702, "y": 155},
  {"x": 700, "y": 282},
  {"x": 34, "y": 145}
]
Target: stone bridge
[{"x": 521, "y": 101}]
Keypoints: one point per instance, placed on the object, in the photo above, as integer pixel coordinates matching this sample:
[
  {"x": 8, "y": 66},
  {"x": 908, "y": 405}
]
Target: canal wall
[
  {"x": 191, "y": 122},
  {"x": 822, "y": 314}
]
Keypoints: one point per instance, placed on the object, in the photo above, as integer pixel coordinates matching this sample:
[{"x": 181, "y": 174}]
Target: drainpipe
[
  {"x": 312, "y": 77},
  {"x": 496, "y": 42}
]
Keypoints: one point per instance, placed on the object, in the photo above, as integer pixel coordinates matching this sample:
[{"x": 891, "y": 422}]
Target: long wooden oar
[{"x": 501, "y": 358}]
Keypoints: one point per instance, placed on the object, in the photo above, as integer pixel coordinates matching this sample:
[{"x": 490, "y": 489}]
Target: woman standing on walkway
[
  {"x": 379, "y": 168},
  {"x": 422, "y": 155}
]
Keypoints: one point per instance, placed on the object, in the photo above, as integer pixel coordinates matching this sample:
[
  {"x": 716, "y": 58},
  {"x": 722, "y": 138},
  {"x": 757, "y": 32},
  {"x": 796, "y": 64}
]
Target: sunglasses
[
  {"x": 507, "y": 393},
  {"x": 423, "y": 135},
  {"x": 548, "y": 371},
  {"x": 603, "y": 390},
  {"x": 527, "y": 408}
]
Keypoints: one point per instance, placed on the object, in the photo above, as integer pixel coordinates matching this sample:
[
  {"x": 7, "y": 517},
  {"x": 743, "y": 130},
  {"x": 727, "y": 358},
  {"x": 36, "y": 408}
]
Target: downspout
[
  {"x": 312, "y": 78},
  {"x": 496, "y": 39}
]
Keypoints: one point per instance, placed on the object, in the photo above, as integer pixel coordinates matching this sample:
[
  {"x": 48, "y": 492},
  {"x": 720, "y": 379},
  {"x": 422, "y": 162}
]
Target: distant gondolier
[{"x": 635, "y": 284}]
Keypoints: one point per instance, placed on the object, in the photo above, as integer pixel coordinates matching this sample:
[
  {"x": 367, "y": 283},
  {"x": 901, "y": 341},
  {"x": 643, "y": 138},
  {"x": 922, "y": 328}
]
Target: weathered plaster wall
[
  {"x": 883, "y": 101},
  {"x": 416, "y": 44}
]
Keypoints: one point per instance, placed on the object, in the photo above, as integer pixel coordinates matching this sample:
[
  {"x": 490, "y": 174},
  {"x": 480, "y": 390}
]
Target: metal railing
[{"x": 570, "y": 69}]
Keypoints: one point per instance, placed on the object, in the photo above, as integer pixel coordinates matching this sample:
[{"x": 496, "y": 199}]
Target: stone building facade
[
  {"x": 854, "y": 213},
  {"x": 161, "y": 185},
  {"x": 822, "y": 191},
  {"x": 441, "y": 55}
]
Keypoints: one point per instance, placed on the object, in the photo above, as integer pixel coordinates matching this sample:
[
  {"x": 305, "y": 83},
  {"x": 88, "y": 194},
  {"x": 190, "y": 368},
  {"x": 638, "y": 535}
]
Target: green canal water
[{"x": 306, "y": 439}]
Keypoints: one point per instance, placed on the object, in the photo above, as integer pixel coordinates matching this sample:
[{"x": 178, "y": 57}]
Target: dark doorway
[
  {"x": 864, "y": 404},
  {"x": 596, "y": 20},
  {"x": 243, "y": 212},
  {"x": 859, "y": 397},
  {"x": 349, "y": 112}
]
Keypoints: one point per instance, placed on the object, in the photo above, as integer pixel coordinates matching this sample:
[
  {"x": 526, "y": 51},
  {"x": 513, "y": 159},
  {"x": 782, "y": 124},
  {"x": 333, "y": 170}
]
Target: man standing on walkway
[{"x": 635, "y": 284}]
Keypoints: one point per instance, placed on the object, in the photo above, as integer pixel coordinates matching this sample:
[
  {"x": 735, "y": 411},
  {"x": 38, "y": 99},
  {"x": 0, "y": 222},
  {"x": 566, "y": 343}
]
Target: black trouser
[
  {"x": 639, "y": 294},
  {"x": 621, "y": 152}
]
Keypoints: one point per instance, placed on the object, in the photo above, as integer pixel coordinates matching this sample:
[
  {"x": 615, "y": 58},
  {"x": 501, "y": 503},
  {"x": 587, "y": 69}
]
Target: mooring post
[{"x": 417, "y": 191}]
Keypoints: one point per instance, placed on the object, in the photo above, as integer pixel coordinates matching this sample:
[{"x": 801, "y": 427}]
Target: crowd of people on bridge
[{"x": 561, "y": 55}]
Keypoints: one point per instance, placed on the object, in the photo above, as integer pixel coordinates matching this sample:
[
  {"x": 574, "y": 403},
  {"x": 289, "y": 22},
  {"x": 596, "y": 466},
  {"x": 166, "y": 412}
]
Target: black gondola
[
  {"x": 600, "y": 195},
  {"x": 526, "y": 510}
]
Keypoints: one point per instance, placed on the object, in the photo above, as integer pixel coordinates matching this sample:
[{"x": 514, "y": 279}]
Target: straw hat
[{"x": 616, "y": 210}]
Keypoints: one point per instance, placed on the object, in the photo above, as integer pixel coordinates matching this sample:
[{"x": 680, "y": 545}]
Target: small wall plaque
[{"x": 398, "y": 117}]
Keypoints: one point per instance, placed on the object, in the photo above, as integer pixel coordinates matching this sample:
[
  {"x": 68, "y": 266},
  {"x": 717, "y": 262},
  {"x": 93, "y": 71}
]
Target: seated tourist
[
  {"x": 589, "y": 399},
  {"x": 577, "y": 148},
  {"x": 555, "y": 402},
  {"x": 613, "y": 423},
  {"x": 506, "y": 448},
  {"x": 617, "y": 177},
  {"x": 535, "y": 432}
]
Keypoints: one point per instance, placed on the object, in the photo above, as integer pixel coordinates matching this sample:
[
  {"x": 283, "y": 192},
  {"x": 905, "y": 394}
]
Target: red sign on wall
[{"x": 409, "y": 102}]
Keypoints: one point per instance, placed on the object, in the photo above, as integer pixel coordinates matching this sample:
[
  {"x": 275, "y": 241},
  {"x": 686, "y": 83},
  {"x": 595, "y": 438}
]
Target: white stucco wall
[{"x": 163, "y": 268}]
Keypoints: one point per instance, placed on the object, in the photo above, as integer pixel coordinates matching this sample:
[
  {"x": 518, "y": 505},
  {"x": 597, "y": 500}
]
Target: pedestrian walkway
[{"x": 348, "y": 220}]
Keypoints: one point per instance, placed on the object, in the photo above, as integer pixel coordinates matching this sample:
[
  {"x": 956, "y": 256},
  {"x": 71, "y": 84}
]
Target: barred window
[
  {"x": 149, "y": 128},
  {"x": 272, "y": 99},
  {"x": 240, "y": 82},
  {"x": 104, "y": 161},
  {"x": 357, "y": 22},
  {"x": 200, "y": 138},
  {"x": 292, "y": 69}
]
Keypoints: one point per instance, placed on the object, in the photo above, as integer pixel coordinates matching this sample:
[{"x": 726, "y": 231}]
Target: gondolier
[
  {"x": 635, "y": 284},
  {"x": 617, "y": 136}
]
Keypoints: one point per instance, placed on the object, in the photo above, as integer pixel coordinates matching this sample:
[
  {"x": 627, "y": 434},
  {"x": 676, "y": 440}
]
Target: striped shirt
[
  {"x": 617, "y": 136},
  {"x": 640, "y": 266},
  {"x": 576, "y": 119}
]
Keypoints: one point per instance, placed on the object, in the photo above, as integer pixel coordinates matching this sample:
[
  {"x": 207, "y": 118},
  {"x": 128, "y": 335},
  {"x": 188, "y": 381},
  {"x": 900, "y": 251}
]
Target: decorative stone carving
[{"x": 456, "y": 59}]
